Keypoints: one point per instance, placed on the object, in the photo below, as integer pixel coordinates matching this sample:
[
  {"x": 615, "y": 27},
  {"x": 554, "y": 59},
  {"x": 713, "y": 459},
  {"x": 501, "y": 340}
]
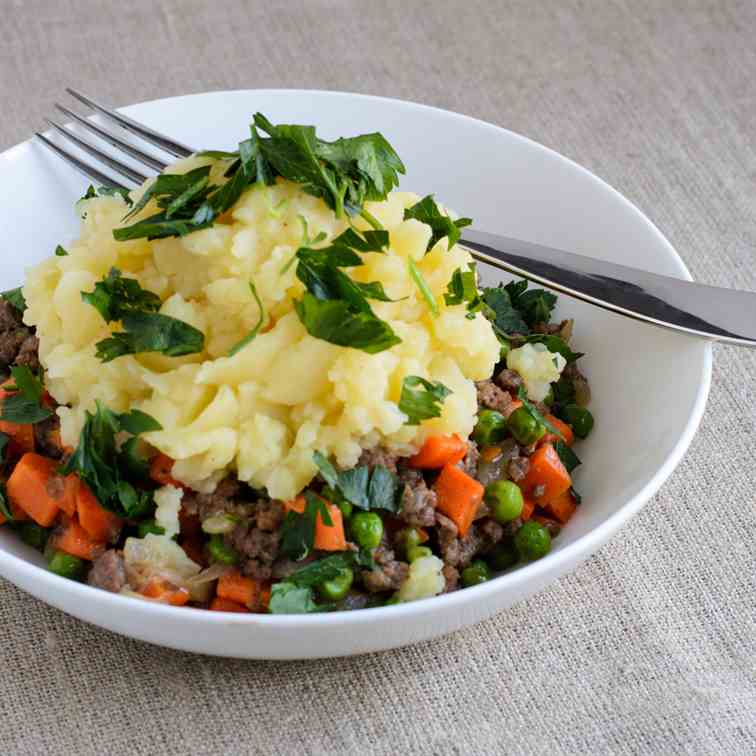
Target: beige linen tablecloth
[{"x": 649, "y": 647}]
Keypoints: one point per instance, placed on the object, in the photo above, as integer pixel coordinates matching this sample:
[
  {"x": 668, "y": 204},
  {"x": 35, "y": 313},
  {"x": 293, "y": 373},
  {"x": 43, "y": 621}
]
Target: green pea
[
  {"x": 524, "y": 427},
  {"x": 532, "y": 541},
  {"x": 579, "y": 419},
  {"x": 65, "y": 565},
  {"x": 477, "y": 573},
  {"x": 548, "y": 400},
  {"x": 505, "y": 499},
  {"x": 407, "y": 538},
  {"x": 502, "y": 557},
  {"x": 221, "y": 552},
  {"x": 417, "y": 552},
  {"x": 150, "y": 526},
  {"x": 367, "y": 529},
  {"x": 346, "y": 508},
  {"x": 337, "y": 588},
  {"x": 564, "y": 390},
  {"x": 490, "y": 428},
  {"x": 393, "y": 600},
  {"x": 33, "y": 535}
]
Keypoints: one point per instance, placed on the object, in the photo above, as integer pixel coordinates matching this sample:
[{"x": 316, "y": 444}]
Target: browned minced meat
[
  {"x": 44, "y": 437},
  {"x": 451, "y": 576},
  {"x": 108, "y": 572},
  {"x": 222, "y": 500},
  {"x": 458, "y": 552},
  {"x": 388, "y": 573},
  {"x": 517, "y": 468},
  {"x": 18, "y": 344},
  {"x": 562, "y": 329},
  {"x": 378, "y": 456},
  {"x": 470, "y": 463},
  {"x": 492, "y": 397},
  {"x": 509, "y": 380},
  {"x": 269, "y": 514},
  {"x": 284, "y": 567},
  {"x": 418, "y": 501},
  {"x": 258, "y": 549}
]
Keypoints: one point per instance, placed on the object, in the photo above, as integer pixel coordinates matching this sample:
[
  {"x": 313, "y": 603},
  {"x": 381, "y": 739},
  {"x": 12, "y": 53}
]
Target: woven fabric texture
[{"x": 649, "y": 647}]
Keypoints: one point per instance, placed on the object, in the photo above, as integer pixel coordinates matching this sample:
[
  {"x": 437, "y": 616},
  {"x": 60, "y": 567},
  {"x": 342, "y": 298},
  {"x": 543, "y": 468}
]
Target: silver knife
[{"x": 708, "y": 312}]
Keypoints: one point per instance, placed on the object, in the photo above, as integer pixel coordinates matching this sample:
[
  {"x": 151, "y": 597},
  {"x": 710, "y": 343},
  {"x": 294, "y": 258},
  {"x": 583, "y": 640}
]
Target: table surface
[{"x": 647, "y": 648}]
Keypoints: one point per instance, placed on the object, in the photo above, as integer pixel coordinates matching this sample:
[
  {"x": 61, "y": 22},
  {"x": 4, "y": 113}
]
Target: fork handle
[{"x": 708, "y": 312}]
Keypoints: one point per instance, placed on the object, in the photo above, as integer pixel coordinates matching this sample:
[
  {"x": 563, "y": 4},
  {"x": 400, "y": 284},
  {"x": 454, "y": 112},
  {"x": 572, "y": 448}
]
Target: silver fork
[{"x": 694, "y": 309}]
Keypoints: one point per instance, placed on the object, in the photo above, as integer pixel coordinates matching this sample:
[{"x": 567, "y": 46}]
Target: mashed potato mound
[{"x": 264, "y": 411}]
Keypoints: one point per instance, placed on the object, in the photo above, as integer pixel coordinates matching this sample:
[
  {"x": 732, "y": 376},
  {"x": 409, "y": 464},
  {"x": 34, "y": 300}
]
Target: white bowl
[{"x": 649, "y": 386}]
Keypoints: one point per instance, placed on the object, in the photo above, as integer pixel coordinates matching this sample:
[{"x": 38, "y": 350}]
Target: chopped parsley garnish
[
  {"x": 107, "y": 191},
  {"x": 335, "y": 308},
  {"x": 123, "y": 299},
  {"x": 298, "y": 530},
  {"x": 25, "y": 405},
  {"x": 569, "y": 459},
  {"x": 463, "y": 289},
  {"x": 250, "y": 337},
  {"x": 359, "y": 487},
  {"x": 15, "y": 297},
  {"x": 421, "y": 399},
  {"x": 345, "y": 174},
  {"x": 60, "y": 251},
  {"x": 422, "y": 286},
  {"x": 323, "y": 569},
  {"x": 505, "y": 319},
  {"x": 99, "y": 463},
  {"x": 535, "y": 305},
  {"x": 428, "y": 212},
  {"x": 535, "y": 414},
  {"x": 288, "y": 598}
]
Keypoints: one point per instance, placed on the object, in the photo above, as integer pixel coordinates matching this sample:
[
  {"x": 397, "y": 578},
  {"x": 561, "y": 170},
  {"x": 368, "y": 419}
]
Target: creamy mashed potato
[{"x": 264, "y": 411}]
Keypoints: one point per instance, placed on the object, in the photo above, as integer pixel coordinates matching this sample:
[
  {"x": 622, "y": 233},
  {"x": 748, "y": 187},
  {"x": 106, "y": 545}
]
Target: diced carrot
[
  {"x": 100, "y": 524},
  {"x": 459, "y": 496},
  {"x": 3, "y": 519},
  {"x": 551, "y": 438},
  {"x": 327, "y": 537},
  {"x": 438, "y": 451},
  {"x": 21, "y": 437},
  {"x": 490, "y": 453},
  {"x": 226, "y": 605},
  {"x": 161, "y": 466},
  {"x": 236, "y": 587},
  {"x": 73, "y": 539},
  {"x": 528, "y": 507},
  {"x": 547, "y": 478},
  {"x": 562, "y": 506},
  {"x": 264, "y": 599},
  {"x": 27, "y": 488},
  {"x": 166, "y": 592}
]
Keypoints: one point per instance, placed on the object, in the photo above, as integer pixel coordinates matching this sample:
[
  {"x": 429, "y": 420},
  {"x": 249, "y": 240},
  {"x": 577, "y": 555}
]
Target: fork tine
[
  {"x": 113, "y": 140},
  {"x": 150, "y": 136},
  {"x": 116, "y": 165},
  {"x": 101, "y": 178}
]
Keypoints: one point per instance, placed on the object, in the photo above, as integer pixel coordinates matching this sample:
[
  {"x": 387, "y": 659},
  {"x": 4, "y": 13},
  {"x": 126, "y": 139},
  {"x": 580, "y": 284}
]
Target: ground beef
[
  {"x": 451, "y": 576},
  {"x": 354, "y": 600},
  {"x": 563, "y": 329},
  {"x": 222, "y": 500},
  {"x": 378, "y": 456},
  {"x": 108, "y": 572},
  {"x": 455, "y": 551},
  {"x": 18, "y": 344},
  {"x": 470, "y": 463},
  {"x": 517, "y": 468},
  {"x": 46, "y": 437},
  {"x": 492, "y": 397},
  {"x": 509, "y": 380},
  {"x": 283, "y": 568},
  {"x": 269, "y": 514},
  {"x": 418, "y": 501},
  {"x": 257, "y": 548},
  {"x": 491, "y": 533},
  {"x": 388, "y": 574}
]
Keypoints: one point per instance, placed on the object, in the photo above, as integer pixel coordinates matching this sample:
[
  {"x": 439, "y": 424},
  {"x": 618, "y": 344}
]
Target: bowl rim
[{"x": 572, "y": 553}]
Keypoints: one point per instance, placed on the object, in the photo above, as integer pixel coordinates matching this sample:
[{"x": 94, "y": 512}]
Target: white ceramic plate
[{"x": 649, "y": 386}]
